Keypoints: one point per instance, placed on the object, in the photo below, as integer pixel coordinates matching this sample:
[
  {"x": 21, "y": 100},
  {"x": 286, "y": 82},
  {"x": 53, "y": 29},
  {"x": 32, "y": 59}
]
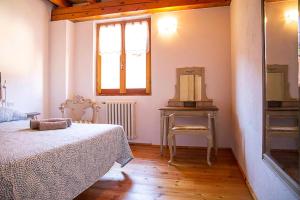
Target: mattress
[{"x": 57, "y": 164}]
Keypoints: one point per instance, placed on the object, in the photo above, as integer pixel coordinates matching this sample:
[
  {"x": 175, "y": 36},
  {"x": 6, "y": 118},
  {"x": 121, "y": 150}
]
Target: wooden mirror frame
[
  {"x": 283, "y": 69},
  {"x": 293, "y": 185},
  {"x": 197, "y": 71}
]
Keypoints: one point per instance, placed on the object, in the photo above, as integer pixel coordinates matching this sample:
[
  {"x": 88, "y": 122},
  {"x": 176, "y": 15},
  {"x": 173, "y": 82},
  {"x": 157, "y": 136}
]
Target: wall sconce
[
  {"x": 167, "y": 25},
  {"x": 291, "y": 16}
]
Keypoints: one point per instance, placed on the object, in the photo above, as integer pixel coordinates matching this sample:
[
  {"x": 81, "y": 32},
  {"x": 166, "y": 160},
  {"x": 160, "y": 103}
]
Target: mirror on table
[{"x": 282, "y": 87}]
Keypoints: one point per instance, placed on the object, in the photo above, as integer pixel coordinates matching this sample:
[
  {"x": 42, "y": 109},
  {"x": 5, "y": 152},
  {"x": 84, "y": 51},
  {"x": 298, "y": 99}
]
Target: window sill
[{"x": 129, "y": 92}]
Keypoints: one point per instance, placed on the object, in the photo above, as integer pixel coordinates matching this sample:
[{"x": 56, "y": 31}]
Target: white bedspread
[{"x": 57, "y": 164}]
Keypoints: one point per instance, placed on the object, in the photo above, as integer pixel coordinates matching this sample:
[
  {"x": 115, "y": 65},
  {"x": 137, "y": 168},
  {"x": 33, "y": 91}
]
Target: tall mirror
[{"x": 281, "y": 91}]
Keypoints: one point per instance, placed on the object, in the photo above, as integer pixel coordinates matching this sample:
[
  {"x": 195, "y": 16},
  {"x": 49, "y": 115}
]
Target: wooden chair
[
  {"x": 77, "y": 107},
  {"x": 189, "y": 129}
]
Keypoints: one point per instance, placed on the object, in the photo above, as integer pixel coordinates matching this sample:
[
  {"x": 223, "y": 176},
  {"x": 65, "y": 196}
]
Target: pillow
[{"x": 7, "y": 114}]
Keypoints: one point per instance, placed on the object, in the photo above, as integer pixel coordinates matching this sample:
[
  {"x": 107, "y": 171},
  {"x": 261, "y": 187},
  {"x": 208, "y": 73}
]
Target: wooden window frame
[{"x": 123, "y": 91}]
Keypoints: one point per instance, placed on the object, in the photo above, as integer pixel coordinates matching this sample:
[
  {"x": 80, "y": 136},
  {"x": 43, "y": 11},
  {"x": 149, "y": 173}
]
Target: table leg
[
  {"x": 214, "y": 135},
  {"x": 268, "y": 143},
  {"x": 268, "y": 136},
  {"x": 161, "y": 133},
  {"x": 167, "y": 131},
  {"x": 298, "y": 162}
]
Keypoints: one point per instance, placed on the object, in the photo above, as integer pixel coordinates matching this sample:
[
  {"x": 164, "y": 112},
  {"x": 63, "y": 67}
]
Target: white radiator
[{"x": 122, "y": 113}]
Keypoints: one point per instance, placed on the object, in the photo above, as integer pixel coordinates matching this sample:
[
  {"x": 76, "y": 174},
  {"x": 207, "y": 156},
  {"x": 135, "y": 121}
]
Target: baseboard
[
  {"x": 139, "y": 144},
  {"x": 177, "y": 146},
  {"x": 245, "y": 178}
]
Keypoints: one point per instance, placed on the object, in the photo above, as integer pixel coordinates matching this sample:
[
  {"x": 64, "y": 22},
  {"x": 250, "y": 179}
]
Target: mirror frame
[
  {"x": 283, "y": 69},
  {"x": 293, "y": 185}
]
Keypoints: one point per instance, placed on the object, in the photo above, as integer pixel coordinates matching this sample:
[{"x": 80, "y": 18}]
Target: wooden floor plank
[{"x": 149, "y": 176}]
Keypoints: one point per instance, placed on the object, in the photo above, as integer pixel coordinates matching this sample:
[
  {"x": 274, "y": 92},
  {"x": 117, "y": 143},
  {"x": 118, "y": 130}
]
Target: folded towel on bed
[{"x": 51, "y": 124}]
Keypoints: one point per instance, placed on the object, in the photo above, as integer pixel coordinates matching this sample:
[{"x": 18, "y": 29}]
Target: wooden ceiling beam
[
  {"x": 61, "y": 3},
  {"x": 115, "y": 8},
  {"x": 274, "y": 0},
  {"x": 91, "y": 1}
]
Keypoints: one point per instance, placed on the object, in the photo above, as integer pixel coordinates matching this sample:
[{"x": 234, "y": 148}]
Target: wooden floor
[{"x": 149, "y": 177}]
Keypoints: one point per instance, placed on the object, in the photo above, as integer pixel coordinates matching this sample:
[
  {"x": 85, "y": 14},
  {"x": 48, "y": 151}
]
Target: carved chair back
[{"x": 78, "y": 107}]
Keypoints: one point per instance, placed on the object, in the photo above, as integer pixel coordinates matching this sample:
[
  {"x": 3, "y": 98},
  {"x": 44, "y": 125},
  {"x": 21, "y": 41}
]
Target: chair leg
[
  {"x": 170, "y": 147},
  {"x": 174, "y": 144},
  {"x": 209, "y": 146}
]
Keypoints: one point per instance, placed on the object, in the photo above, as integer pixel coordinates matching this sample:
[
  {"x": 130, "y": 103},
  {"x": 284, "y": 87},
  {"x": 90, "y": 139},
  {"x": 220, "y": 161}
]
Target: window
[{"x": 123, "y": 58}]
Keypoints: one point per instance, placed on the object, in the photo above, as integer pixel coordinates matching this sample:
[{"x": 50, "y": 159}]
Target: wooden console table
[{"x": 185, "y": 111}]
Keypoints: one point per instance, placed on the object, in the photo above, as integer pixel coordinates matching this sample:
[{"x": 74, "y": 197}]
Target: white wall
[
  {"x": 202, "y": 39},
  {"x": 246, "y": 63},
  {"x": 24, "y": 53},
  {"x": 61, "y": 53},
  {"x": 70, "y": 48},
  {"x": 85, "y": 59}
]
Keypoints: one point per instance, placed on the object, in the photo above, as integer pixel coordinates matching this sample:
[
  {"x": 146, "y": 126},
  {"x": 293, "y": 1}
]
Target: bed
[{"x": 57, "y": 164}]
